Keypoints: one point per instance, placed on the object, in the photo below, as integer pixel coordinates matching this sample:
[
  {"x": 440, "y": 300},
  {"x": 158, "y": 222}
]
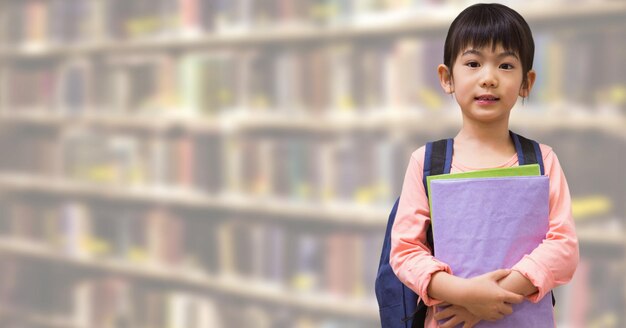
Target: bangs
[
  {"x": 488, "y": 33},
  {"x": 484, "y": 25}
]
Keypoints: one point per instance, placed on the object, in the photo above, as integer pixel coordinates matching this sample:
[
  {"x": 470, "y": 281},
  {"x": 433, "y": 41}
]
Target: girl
[{"x": 488, "y": 59}]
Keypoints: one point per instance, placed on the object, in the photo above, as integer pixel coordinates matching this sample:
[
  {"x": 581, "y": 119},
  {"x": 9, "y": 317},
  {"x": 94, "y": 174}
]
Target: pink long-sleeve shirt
[{"x": 551, "y": 264}]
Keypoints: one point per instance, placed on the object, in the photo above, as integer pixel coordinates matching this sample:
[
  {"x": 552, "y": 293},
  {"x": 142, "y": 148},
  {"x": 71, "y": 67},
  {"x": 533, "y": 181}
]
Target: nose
[{"x": 488, "y": 78}]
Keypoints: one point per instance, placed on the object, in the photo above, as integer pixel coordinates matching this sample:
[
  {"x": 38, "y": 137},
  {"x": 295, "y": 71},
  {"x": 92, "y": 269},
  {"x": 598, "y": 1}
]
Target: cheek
[
  {"x": 516, "y": 88},
  {"x": 462, "y": 88}
]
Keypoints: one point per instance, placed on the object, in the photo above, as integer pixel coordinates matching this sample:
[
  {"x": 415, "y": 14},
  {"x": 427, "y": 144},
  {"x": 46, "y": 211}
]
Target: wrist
[
  {"x": 464, "y": 288},
  {"x": 449, "y": 288}
]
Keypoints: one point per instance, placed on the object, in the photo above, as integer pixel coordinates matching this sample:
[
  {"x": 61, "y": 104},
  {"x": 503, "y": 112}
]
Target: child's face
[{"x": 486, "y": 82}]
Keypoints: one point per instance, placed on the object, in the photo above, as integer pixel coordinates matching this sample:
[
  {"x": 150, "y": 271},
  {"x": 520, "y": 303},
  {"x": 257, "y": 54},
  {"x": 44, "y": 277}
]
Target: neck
[
  {"x": 483, "y": 145},
  {"x": 494, "y": 134}
]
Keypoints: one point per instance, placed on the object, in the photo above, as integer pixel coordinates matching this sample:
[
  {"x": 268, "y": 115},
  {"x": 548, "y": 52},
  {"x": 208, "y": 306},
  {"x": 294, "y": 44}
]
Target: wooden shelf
[
  {"x": 330, "y": 124},
  {"x": 596, "y": 237},
  {"x": 38, "y": 320},
  {"x": 343, "y": 214},
  {"x": 237, "y": 123},
  {"x": 583, "y": 120},
  {"x": 322, "y": 303},
  {"x": 354, "y": 214},
  {"x": 435, "y": 20},
  {"x": 145, "y": 122}
]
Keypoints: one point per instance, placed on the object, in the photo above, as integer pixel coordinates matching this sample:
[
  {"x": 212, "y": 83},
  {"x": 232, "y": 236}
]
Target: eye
[
  {"x": 506, "y": 66},
  {"x": 473, "y": 64}
]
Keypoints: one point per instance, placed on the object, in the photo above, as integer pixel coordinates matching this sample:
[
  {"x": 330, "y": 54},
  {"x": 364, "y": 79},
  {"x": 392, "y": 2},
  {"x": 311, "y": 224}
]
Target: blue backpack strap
[
  {"x": 528, "y": 151},
  {"x": 437, "y": 159}
]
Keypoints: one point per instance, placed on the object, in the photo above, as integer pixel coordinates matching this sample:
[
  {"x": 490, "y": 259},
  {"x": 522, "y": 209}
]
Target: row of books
[
  {"x": 360, "y": 167},
  {"x": 284, "y": 81},
  {"x": 357, "y": 167},
  {"x": 49, "y": 291},
  {"x": 372, "y": 77},
  {"x": 290, "y": 258},
  {"x": 68, "y": 21},
  {"x": 592, "y": 299}
]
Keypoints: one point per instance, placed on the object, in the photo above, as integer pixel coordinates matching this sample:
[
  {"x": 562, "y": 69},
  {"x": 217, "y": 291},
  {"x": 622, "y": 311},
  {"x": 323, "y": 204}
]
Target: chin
[{"x": 488, "y": 117}]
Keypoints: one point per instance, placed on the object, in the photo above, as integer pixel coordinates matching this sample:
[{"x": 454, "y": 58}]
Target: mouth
[{"x": 486, "y": 98}]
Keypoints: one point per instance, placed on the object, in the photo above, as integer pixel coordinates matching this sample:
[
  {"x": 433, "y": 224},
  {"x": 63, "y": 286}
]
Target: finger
[
  {"x": 513, "y": 298},
  {"x": 452, "y": 322},
  {"x": 506, "y": 309},
  {"x": 444, "y": 314}
]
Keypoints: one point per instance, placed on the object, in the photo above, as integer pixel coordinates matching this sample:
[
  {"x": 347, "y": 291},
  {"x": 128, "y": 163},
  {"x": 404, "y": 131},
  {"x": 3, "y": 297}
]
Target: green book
[{"x": 524, "y": 170}]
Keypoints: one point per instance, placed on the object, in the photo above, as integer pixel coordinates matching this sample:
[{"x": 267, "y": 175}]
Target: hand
[
  {"x": 485, "y": 299},
  {"x": 457, "y": 315}
]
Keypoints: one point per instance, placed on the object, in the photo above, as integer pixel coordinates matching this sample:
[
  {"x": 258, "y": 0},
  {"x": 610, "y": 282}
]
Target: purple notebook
[{"x": 484, "y": 224}]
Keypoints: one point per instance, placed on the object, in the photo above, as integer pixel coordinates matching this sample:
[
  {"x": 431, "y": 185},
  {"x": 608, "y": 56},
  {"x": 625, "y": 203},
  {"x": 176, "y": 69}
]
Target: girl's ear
[
  {"x": 445, "y": 78},
  {"x": 524, "y": 91}
]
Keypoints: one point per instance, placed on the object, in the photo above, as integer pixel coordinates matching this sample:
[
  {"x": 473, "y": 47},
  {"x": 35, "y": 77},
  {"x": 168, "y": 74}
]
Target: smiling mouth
[{"x": 487, "y": 98}]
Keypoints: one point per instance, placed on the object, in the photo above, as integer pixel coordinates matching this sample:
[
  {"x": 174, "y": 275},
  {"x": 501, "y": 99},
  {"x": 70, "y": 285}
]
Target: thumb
[{"x": 499, "y": 274}]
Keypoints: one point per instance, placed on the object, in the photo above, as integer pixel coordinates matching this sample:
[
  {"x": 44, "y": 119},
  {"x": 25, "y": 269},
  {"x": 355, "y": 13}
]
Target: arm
[
  {"x": 554, "y": 261},
  {"x": 411, "y": 257}
]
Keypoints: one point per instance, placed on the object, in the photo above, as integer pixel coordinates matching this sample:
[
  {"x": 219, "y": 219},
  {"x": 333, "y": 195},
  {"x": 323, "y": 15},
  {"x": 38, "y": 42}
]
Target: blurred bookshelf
[{"x": 212, "y": 163}]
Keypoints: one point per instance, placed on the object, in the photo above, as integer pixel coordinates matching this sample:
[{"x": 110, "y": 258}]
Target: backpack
[{"x": 399, "y": 306}]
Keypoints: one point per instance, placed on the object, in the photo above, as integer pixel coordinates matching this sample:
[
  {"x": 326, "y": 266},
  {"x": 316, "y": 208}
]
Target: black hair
[{"x": 492, "y": 24}]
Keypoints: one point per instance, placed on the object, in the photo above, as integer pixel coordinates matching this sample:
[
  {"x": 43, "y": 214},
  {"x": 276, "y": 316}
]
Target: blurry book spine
[
  {"x": 36, "y": 16},
  {"x": 275, "y": 264},
  {"x": 27, "y": 88},
  {"x": 76, "y": 230},
  {"x": 208, "y": 164},
  {"x": 143, "y": 21},
  {"x": 259, "y": 86},
  {"x": 190, "y": 16},
  {"x": 232, "y": 154},
  {"x": 306, "y": 263},
  {"x": 202, "y": 245},
  {"x": 344, "y": 258},
  {"x": 226, "y": 238},
  {"x": 233, "y": 15},
  {"x": 342, "y": 79},
  {"x": 196, "y": 93},
  {"x": 164, "y": 237},
  {"x": 315, "y": 89},
  {"x": 74, "y": 89},
  {"x": 185, "y": 161}
]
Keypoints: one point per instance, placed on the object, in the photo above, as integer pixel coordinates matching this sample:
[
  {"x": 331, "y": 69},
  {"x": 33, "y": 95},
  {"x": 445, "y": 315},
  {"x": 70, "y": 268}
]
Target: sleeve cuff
[{"x": 423, "y": 292}]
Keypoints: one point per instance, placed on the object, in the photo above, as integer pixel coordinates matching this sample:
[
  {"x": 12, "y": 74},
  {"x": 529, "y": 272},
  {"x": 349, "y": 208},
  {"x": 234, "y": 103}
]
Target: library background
[{"x": 231, "y": 163}]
